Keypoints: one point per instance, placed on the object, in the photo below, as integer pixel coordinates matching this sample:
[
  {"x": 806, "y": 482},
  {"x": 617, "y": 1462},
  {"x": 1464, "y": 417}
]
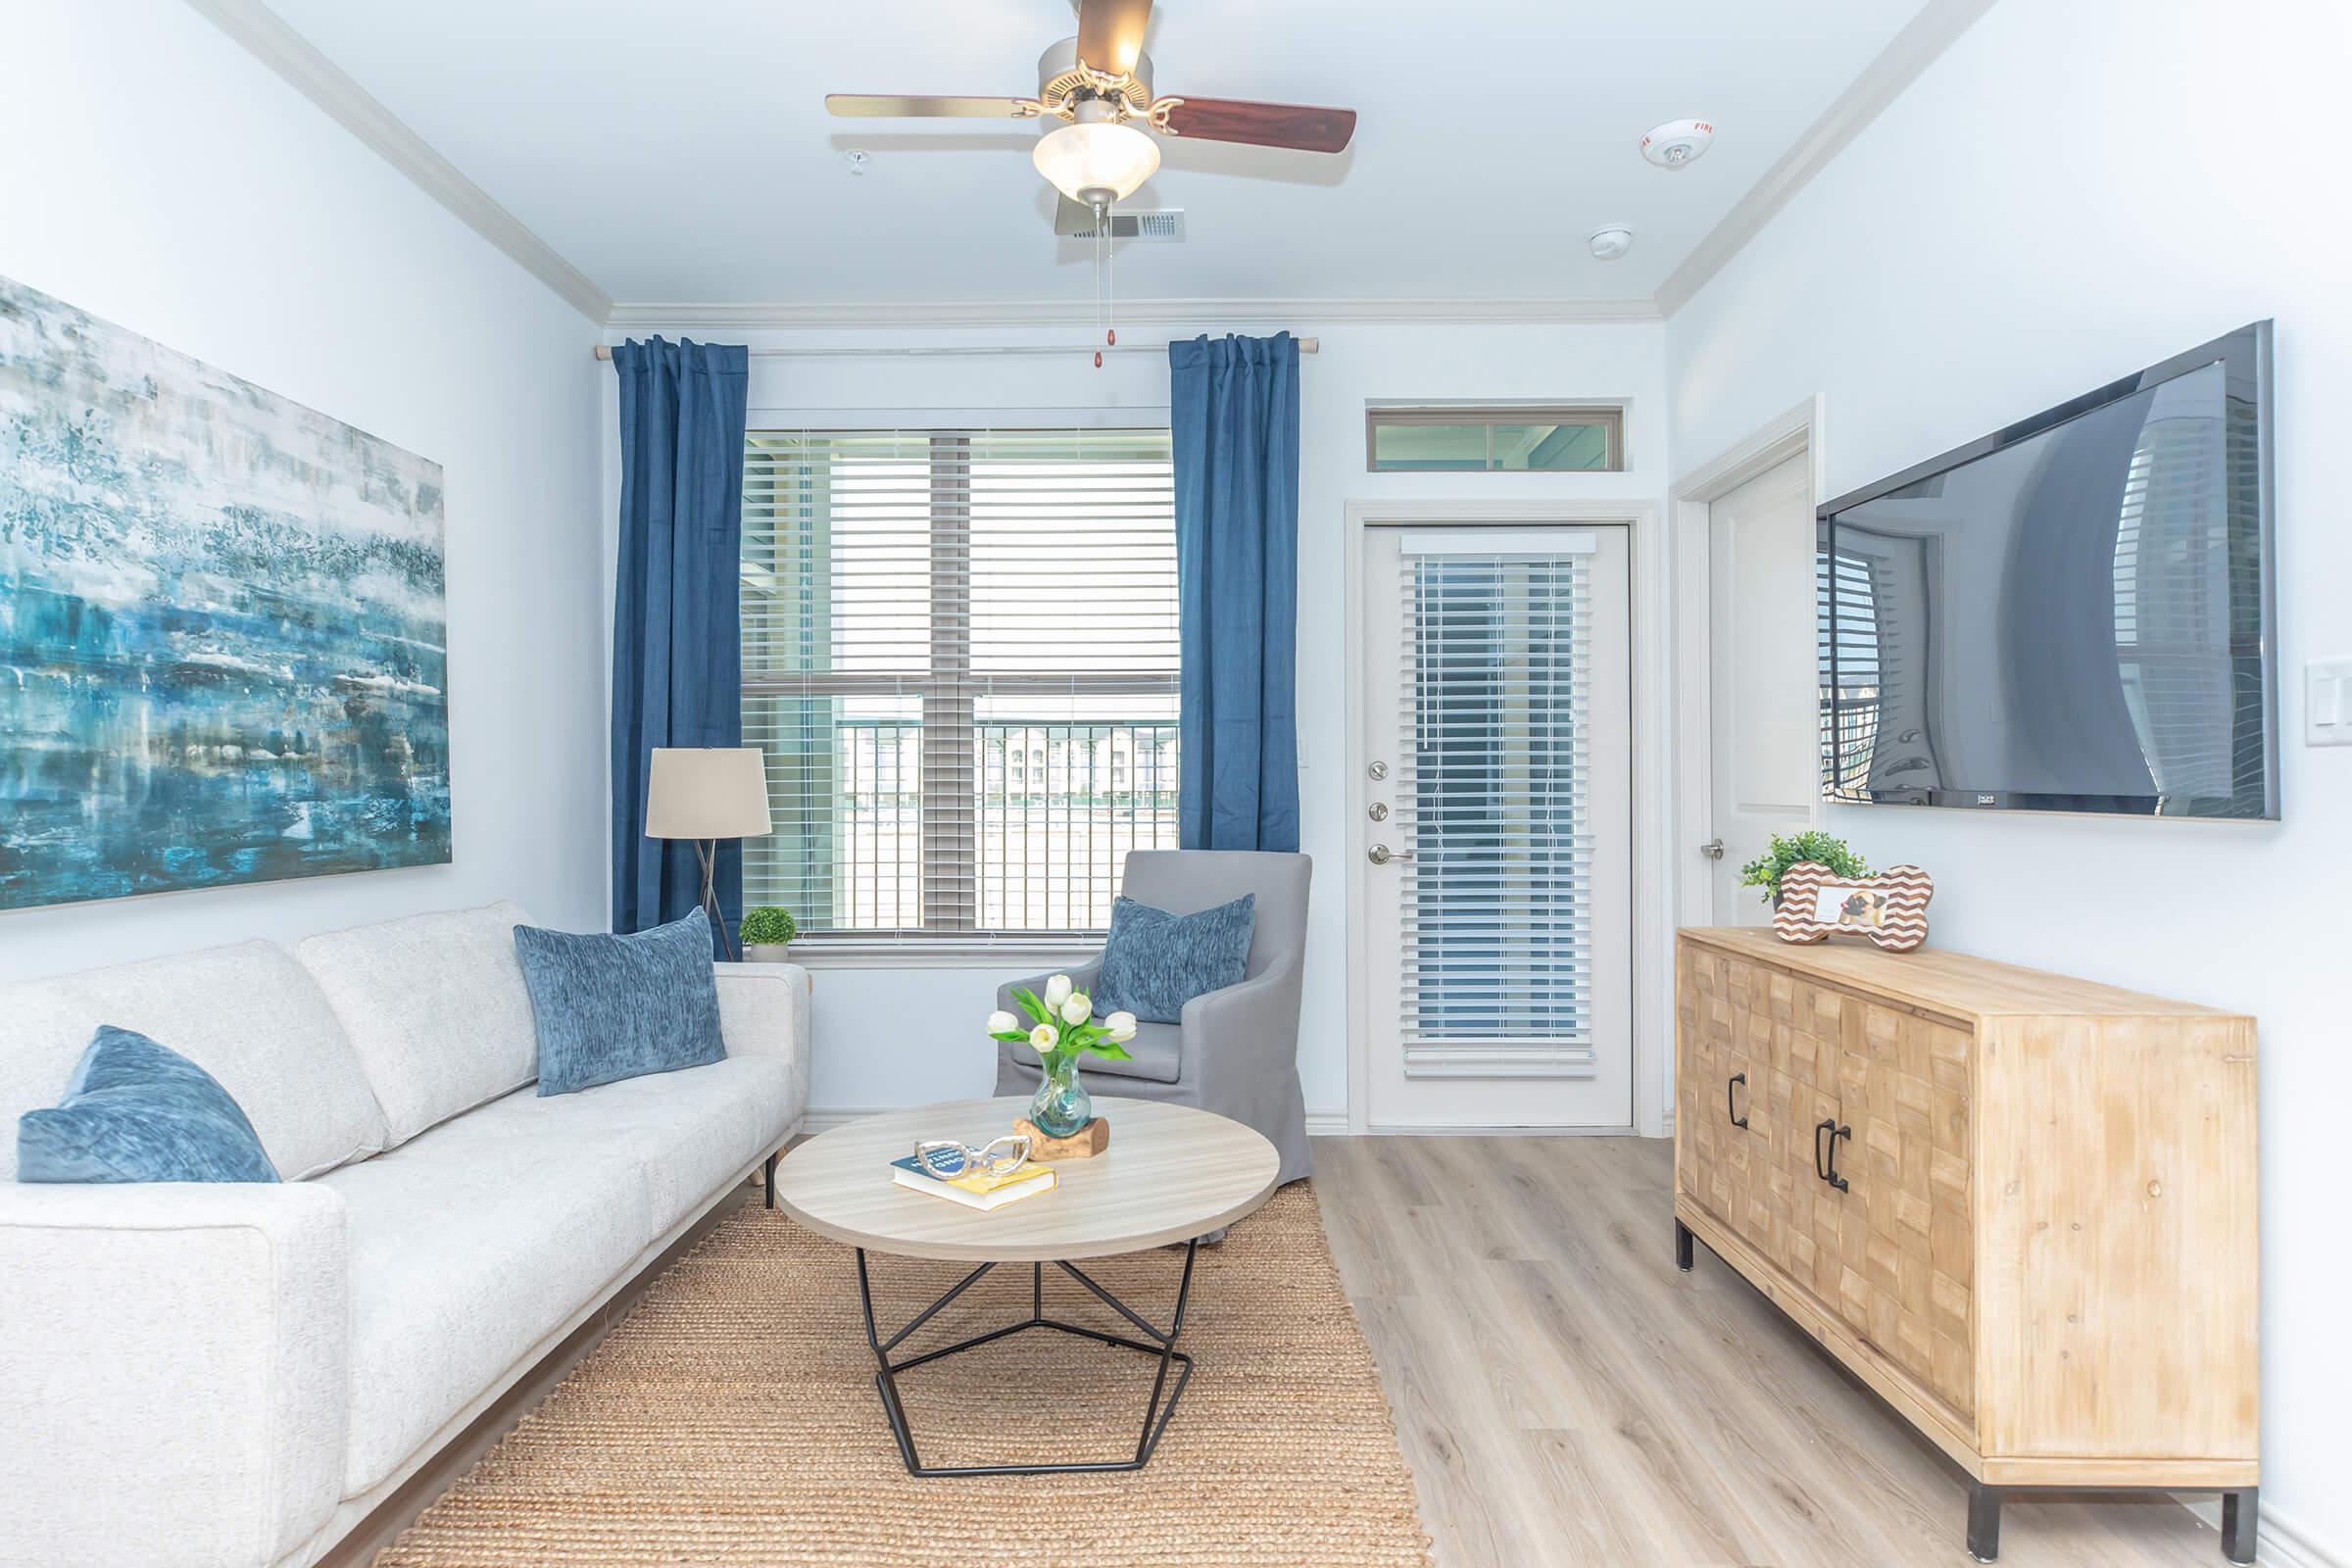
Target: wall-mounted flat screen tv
[{"x": 2073, "y": 615}]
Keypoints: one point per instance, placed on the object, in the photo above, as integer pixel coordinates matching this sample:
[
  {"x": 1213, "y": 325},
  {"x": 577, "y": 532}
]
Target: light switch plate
[{"x": 2327, "y": 702}]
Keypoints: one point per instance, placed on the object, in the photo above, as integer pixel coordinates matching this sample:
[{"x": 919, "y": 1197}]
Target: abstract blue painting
[{"x": 221, "y": 626}]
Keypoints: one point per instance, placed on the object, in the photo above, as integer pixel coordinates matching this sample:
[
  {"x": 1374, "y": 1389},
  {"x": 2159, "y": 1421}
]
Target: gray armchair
[{"x": 1235, "y": 1050}]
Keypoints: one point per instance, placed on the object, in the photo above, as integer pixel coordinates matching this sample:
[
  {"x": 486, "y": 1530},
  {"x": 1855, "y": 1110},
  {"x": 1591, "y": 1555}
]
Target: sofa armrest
[
  {"x": 764, "y": 1012},
  {"x": 1255, "y": 1021},
  {"x": 173, "y": 1362}
]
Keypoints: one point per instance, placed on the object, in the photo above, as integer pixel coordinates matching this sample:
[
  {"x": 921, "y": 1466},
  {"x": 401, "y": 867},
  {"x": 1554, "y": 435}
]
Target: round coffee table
[{"x": 1171, "y": 1174}]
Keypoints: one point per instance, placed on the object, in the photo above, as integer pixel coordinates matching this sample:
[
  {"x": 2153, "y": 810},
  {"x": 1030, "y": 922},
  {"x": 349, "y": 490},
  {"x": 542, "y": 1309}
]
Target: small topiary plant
[
  {"x": 767, "y": 926},
  {"x": 1787, "y": 850}
]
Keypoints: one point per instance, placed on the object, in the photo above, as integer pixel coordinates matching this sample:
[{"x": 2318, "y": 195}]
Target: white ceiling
[{"x": 681, "y": 152}]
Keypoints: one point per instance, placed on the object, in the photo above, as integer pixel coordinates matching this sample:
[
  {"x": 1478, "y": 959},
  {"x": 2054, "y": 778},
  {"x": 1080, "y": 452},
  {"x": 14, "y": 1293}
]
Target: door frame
[
  {"x": 1795, "y": 432},
  {"x": 1647, "y": 744}
]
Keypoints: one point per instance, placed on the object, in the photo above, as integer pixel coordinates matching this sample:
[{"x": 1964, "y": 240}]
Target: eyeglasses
[{"x": 948, "y": 1160}]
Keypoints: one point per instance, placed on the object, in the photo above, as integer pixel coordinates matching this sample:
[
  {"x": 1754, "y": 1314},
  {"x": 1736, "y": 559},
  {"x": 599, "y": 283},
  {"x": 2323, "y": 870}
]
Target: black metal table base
[{"x": 1161, "y": 1345}]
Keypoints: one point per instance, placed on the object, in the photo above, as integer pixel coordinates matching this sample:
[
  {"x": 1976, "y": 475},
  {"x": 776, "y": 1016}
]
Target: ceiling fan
[{"x": 1100, "y": 84}]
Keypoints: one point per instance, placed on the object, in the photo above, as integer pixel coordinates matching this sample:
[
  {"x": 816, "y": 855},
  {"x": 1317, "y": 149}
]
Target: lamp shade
[
  {"x": 707, "y": 793},
  {"x": 1096, "y": 161}
]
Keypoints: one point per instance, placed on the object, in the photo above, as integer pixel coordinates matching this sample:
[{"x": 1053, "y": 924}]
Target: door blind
[
  {"x": 960, "y": 656},
  {"x": 1492, "y": 791}
]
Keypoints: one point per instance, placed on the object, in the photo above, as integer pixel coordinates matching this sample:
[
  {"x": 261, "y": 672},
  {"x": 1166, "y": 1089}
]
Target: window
[
  {"x": 948, "y": 636},
  {"x": 1532, "y": 439}
]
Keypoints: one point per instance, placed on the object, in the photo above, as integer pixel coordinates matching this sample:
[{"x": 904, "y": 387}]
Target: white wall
[
  {"x": 155, "y": 174},
  {"x": 891, "y": 1037},
  {"x": 2072, "y": 192}
]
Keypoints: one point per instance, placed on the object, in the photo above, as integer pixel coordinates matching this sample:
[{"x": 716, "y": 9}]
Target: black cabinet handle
[
  {"x": 1731, "y": 1104},
  {"x": 1825, "y": 1153}
]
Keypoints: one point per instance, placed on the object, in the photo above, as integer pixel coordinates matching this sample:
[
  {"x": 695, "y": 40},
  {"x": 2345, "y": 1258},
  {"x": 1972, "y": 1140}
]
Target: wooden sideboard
[{"x": 2019, "y": 1207}]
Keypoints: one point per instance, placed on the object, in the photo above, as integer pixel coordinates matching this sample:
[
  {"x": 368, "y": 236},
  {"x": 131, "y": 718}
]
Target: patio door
[{"x": 1497, "y": 827}]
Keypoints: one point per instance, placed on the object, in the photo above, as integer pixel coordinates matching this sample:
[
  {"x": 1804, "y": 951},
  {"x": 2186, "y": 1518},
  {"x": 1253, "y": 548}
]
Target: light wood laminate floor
[{"x": 1566, "y": 1396}]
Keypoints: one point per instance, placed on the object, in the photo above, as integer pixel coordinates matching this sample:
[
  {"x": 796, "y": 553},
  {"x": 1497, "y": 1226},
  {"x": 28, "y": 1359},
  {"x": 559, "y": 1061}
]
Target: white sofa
[{"x": 238, "y": 1374}]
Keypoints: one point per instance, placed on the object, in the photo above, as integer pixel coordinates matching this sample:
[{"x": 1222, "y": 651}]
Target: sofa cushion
[
  {"x": 1154, "y": 1053},
  {"x": 610, "y": 1008},
  {"x": 689, "y": 1132},
  {"x": 136, "y": 1112},
  {"x": 249, "y": 1015},
  {"x": 1155, "y": 962},
  {"x": 435, "y": 1010},
  {"x": 470, "y": 1243},
  {"x": 476, "y": 1240}
]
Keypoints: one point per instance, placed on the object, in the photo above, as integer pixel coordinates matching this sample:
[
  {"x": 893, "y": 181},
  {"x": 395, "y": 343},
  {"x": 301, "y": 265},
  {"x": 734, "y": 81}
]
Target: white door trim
[
  {"x": 1795, "y": 432},
  {"x": 1653, "y": 904}
]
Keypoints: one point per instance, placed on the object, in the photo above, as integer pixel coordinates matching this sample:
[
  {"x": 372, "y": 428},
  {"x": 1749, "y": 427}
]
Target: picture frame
[{"x": 1891, "y": 908}]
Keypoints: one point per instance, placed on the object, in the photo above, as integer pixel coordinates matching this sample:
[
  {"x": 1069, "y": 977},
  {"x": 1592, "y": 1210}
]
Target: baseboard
[
  {"x": 2276, "y": 1542},
  {"x": 823, "y": 1120}
]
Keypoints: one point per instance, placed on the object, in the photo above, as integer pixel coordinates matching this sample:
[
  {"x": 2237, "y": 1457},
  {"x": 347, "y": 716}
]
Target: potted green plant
[
  {"x": 1789, "y": 849},
  {"x": 767, "y": 934}
]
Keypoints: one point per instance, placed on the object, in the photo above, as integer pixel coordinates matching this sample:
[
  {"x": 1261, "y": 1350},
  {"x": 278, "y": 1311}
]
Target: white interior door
[
  {"x": 1765, "y": 736},
  {"x": 1497, "y": 827}
]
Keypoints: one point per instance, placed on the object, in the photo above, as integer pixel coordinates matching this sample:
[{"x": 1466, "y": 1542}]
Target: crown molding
[
  {"x": 752, "y": 317},
  {"x": 1917, "y": 46},
  {"x": 269, "y": 39}
]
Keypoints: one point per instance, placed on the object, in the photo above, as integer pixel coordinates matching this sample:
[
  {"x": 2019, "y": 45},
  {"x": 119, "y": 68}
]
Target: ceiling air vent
[{"x": 1165, "y": 226}]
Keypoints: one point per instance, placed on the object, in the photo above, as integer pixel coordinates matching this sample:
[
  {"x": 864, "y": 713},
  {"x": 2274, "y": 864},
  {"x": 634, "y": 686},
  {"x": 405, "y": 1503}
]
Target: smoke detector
[
  {"x": 1612, "y": 241},
  {"x": 1677, "y": 144}
]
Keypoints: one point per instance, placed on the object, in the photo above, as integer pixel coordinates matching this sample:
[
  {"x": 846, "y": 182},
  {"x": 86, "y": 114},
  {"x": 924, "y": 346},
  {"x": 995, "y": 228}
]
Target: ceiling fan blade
[
  {"x": 1110, "y": 34},
  {"x": 889, "y": 106},
  {"x": 1301, "y": 125}
]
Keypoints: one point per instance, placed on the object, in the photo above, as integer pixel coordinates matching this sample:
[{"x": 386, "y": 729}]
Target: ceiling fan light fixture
[{"x": 1095, "y": 162}]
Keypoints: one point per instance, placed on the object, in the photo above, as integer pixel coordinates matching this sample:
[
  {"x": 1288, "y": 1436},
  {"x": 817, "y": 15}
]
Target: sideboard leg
[
  {"x": 1983, "y": 1522},
  {"x": 1683, "y": 1239},
  {"x": 2239, "y": 1512}
]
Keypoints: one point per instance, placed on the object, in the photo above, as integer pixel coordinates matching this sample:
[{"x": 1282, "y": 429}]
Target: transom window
[
  {"x": 1505, "y": 439},
  {"x": 960, "y": 656}
]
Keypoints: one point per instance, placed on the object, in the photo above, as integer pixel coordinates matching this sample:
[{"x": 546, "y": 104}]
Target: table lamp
[{"x": 707, "y": 794}]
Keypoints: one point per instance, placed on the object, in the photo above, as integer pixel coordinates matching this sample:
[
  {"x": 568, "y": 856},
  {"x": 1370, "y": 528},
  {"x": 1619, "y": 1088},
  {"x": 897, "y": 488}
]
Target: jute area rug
[{"x": 731, "y": 1419}]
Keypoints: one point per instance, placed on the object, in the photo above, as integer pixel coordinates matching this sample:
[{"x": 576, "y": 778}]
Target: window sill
[{"x": 1009, "y": 956}]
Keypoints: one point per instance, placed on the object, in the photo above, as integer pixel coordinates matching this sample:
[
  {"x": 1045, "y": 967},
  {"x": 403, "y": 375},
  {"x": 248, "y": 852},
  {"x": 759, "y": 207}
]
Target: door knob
[
  {"x": 1712, "y": 848},
  {"x": 1382, "y": 854}
]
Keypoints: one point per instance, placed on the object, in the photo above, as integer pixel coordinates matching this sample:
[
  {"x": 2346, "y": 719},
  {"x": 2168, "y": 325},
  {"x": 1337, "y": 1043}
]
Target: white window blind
[
  {"x": 960, "y": 656},
  {"x": 1492, "y": 794}
]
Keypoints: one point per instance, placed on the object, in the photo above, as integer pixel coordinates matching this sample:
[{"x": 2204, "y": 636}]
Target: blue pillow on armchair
[
  {"x": 136, "y": 1112},
  {"x": 1153, "y": 961},
  {"x": 610, "y": 1008}
]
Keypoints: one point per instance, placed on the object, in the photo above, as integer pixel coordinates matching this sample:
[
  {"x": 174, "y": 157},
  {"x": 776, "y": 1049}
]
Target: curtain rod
[{"x": 1306, "y": 345}]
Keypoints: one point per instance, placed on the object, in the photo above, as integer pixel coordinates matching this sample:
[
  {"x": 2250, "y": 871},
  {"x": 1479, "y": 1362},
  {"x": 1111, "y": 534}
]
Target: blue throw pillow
[
  {"x": 135, "y": 1111},
  {"x": 611, "y": 1007},
  {"x": 1153, "y": 963}
]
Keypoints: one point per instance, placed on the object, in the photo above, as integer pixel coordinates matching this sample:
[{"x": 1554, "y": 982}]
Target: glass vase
[{"x": 1061, "y": 1104}]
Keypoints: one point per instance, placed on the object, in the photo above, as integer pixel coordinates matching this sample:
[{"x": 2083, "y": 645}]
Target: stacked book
[{"x": 975, "y": 1189}]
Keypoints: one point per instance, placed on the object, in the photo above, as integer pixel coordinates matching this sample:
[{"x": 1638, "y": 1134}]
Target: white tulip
[
  {"x": 1045, "y": 1037},
  {"x": 1057, "y": 990},
  {"x": 1078, "y": 1008},
  {"x": 1001, "y": 1022},
  {"x": 1120, "y": 1026}
]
